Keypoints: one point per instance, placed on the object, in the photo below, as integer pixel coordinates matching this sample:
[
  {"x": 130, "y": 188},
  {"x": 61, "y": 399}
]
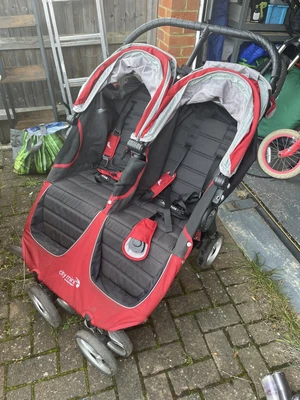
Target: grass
[
  {"x": 32, "y": 182},
  {"x": 280, "y": 312}
]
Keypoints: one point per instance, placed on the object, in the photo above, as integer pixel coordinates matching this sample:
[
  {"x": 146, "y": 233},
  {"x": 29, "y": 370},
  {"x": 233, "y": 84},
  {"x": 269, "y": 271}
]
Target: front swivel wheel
[
  {"x": 96, "y": 352},
  {"x": 209, "y": 249},
  {"x": 44, "y": 305}
]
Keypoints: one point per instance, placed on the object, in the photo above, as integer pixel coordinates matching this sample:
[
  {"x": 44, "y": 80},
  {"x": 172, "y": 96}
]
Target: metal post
[
  {"x": 52, "y": 44},
  {"x": 60, "y": 55},
  {"x": 102, "y": 28},
  {"x": 44, "y": 58},
  {"x": 6, "y": 107}
]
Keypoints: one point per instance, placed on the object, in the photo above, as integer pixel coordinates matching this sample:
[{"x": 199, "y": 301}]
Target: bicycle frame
[{"x": 290, "y": 150}]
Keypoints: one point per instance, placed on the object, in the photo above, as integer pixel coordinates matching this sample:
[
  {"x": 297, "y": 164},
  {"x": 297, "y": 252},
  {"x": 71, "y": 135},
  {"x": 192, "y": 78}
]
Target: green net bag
[{"x": 41, "y": 145}]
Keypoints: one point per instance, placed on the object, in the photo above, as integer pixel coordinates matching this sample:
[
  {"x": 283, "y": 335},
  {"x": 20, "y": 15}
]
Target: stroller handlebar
[{"x": 199, "y": 26}]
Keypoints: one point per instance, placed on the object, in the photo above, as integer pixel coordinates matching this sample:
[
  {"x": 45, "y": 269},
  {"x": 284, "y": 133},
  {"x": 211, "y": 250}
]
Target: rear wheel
[
  {"x": 269, "y": 157},
  {"x": 119, "y": 343},
  {"x": 96, "y": 352},
  {"x": 209, "y": 249},
  {"x": 44, "y": 305}
]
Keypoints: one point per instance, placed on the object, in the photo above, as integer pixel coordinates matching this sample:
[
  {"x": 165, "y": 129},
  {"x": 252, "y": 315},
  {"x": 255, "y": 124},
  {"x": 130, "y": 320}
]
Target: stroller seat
[
  {"x": 70, "y": 204},
  {"x": 211, "y": 129}
]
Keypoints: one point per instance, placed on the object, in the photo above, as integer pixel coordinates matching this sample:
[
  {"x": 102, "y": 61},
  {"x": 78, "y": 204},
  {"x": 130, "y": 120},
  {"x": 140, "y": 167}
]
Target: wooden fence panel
[{"x": 73, "y": 17}]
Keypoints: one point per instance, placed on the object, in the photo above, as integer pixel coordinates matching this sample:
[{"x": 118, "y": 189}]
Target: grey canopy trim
[
  {"x": 264, "y": 85},
  {"x": 227, "y": 89},
  {"x": 147, "y": 66}
]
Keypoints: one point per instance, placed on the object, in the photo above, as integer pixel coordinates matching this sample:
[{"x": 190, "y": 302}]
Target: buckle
[
  {"x": 106, "y": 161},
  {"x": 137, "y": 148},
  {"x": 116, "y": 132}
]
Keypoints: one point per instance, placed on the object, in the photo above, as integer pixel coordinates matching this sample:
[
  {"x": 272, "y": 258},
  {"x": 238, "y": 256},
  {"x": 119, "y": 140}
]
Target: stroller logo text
[{"x": 67, "y": 278}]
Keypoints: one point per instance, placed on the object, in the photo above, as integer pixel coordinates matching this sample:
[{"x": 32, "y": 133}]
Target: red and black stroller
[{"x": 149, "y": 158}]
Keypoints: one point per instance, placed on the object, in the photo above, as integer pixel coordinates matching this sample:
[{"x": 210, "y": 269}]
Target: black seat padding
[
  {"x": 126, "y": 281},
  {"x": 70, "y": 204}
]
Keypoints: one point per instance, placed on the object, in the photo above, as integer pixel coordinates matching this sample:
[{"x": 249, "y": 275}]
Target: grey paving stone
[
  {"x": 277, "y": 353},
  {"x": 128, "y": 380},
  {"x": 157, "y": 388},
  {"x": 236, "y": 391},
  {"x": 23, "y": 203},
  {"x": 43, "y": 338},
  {"x": 223, "y": 354},
  {"x": 175, "y": 289},
  {"x": 1, "y": 383},
  {"x": 192, "y": 338},
  {"x": 62, "y": 387},
  {"x": 20, "y": 288},
  {"x": 163, "y": 324},
  {"x": 262, "y": 332},
  {"x": 250, "y": 312},
  {"x": 190, "y": 302},
  {"x": 69, "y": 353},
  {"x": 293, "y": 377},
  {"x": 239, "y": 293},
  {"x": 189, "y": 278},
  {"x": 229, "y": 257},
  {"x": 218, "y": 317},
  {"x": 194, "y": 396},
  {"x": 233, "y": 276},
  {"x": 3, "y": 298},
  {"x": 3, "y": 311},
  {"x": 142, "y": 337},
  {"x": 19, "y": 394},
  {"x": 14, "y": 349},
  {"x": 254, "y": 365},
  {"x": 109, "y": 395},
  {"x": 213, "y": 287},
  {"x": 31, "y": 370},
  {"x": 169, "y": 356},
  {"x": 19, "y": 317},
  {"x": 238, "y": 335},
  {"x": 97, "y": 381},
  {"x": 194, "y": 376}
]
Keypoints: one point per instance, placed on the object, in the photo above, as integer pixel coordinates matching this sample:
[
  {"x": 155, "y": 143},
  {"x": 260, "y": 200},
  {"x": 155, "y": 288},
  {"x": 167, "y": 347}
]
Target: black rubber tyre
[
  {"x": 285, "y": 61},
  {"x": 44, "y": 305},
  {"x": 209, "y": 250},
  {"x": 16, "y": 250},
  {"x": 96, "y": 352},
  {"x": 120, "y": 343}
]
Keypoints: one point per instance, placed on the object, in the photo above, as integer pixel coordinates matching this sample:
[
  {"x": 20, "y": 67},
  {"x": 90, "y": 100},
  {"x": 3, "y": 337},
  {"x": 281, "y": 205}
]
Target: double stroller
[{"x": 151, "y": 154}]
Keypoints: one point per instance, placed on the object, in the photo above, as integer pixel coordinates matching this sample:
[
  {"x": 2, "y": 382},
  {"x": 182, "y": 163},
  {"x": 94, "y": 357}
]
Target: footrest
[{"x": 137, "y": 244}]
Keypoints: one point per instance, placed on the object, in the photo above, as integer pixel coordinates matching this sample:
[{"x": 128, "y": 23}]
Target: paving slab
[
  {"x": 62, "y": 388},
  {"x": 194, "y": 376},
  {"x": 208, "y": 339},
  {"x": 158, "y": 388}
]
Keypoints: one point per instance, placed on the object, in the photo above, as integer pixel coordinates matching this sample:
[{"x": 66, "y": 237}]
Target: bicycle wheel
[{"x": 268, "y": 154}]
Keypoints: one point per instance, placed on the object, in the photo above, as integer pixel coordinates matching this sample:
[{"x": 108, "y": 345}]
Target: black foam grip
[{"x": 199, "y": 26}]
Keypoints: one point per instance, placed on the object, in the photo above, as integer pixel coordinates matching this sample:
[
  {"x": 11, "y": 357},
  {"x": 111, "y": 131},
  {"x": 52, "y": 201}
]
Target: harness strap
[
  {"x": 218, "y": 157},
  {"x": 104, "y": 176},
  {"x": 115, "y": 136},
  {"x": 168, "y": 177}
]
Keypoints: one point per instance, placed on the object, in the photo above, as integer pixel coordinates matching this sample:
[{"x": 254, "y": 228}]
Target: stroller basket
[{"x": 138, "y": 183}]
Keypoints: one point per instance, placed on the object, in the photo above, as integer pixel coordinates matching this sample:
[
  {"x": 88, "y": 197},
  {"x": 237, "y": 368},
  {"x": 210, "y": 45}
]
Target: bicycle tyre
[{"x": 264, "y": 153}]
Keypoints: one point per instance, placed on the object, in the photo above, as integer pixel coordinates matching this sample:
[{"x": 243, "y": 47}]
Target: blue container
[{"x": 276, "y": 14}]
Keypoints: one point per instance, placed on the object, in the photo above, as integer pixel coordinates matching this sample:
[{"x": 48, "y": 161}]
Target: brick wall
[{"x": 177, "y": 41}]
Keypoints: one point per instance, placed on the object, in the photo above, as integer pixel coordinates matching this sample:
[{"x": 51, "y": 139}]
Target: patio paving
[{"x": 208, "y": 339}]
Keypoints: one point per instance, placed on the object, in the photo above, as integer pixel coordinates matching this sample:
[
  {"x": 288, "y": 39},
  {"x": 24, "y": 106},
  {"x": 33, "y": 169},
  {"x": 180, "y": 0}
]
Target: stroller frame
[{"x": 142, "y": 191}]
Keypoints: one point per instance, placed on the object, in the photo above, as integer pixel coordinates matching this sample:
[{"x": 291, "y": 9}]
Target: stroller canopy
[
  {"x": 156, "y": 69},
  {"x": 231, "y": 88}
]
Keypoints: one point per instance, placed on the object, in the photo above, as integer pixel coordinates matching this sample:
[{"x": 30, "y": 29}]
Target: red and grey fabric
[
  {"x": 115, "y": 136},
  {"x": 235, "y": 89},
  {"x": 156, "y": 68}
]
